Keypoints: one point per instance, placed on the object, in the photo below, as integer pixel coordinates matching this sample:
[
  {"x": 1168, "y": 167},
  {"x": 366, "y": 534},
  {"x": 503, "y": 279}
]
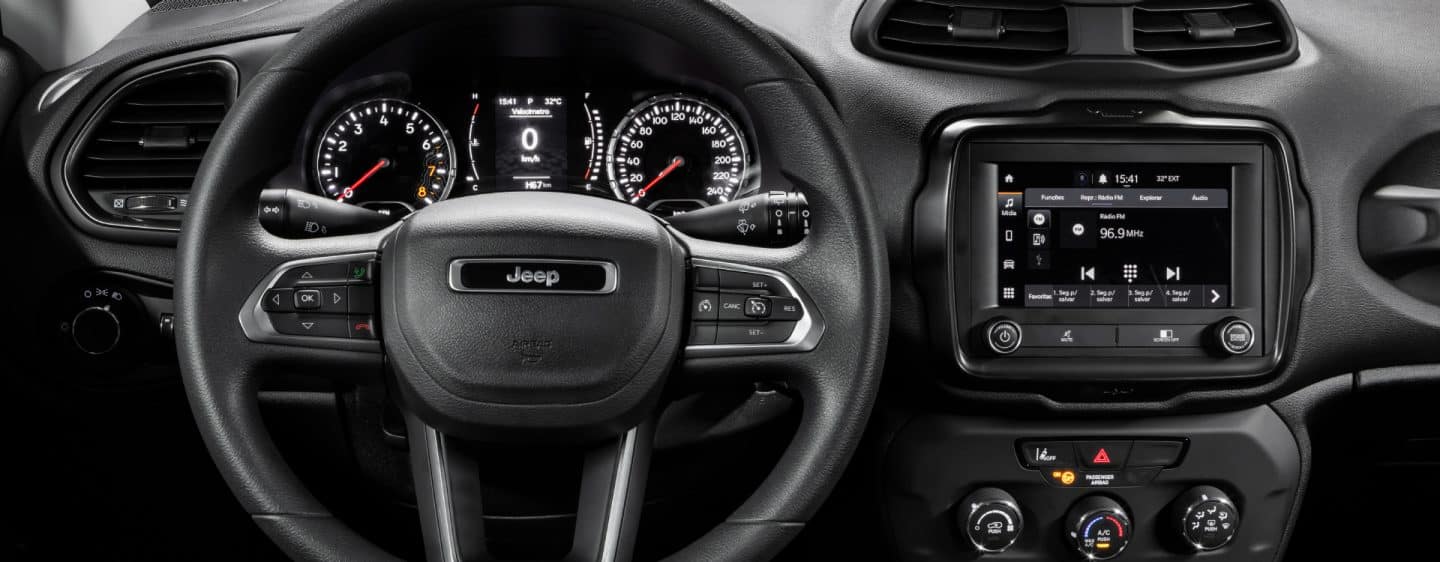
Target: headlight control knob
[
  {"x": 1097, "y": 527},
  {"x": 1207, "y": 518},
  {"x": 991, "y": 519},
  {"x": 95, "y": 330}
]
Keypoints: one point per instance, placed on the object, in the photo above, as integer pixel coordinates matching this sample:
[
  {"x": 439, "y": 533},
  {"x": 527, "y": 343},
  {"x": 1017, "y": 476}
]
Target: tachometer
[
  {"x": 676, "y": 153},
  {"x": 385, "y": 152}
]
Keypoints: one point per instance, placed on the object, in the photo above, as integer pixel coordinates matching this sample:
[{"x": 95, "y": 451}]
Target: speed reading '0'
[{"x": 675, "y": 153}]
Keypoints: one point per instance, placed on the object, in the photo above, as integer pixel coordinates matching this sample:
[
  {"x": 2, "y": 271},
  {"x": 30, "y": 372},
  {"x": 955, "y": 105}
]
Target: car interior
[{"x": 740, "y": 280}]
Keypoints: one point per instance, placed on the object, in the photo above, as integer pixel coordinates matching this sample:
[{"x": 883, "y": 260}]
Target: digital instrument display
[
  {"x": 1098, "y": 235},
  {"x": 530, "y": 142}
]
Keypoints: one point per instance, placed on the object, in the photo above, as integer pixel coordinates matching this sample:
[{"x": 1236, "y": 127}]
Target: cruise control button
[
  {"x": 741, "y": 281},
  {"x": 311, "y": 325},
  {"x": 704, "y": 306},
  {"x": 1036, "y": 454},
  {"x": 746, "y": 334},
  {"x": 732, "y": 307},
  {"x": 307, "y": 299},
  {"x": 362, "y": 299},
  {"x": 1155, "y": 453},
  {"x": 757, "y": 307},
  {"x": 278, "y": 300},
  {"x": 1161, "y": 335},
  {"x": 1103, "y": 454},
  {"x": 786, "y": 308},
  {"x": 318, "y": 274}
]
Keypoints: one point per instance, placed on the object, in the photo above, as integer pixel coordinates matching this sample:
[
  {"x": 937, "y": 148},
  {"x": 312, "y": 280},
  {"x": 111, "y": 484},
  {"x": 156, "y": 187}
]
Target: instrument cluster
[{"x": 397, "y": 142}]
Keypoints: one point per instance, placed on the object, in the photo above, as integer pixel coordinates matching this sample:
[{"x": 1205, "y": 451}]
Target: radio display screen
[{"x": 1114, "y": 235}]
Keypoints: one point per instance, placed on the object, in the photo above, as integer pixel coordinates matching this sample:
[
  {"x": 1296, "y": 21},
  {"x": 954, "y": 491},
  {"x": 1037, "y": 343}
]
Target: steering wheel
[{"x": 581, "y": 367}]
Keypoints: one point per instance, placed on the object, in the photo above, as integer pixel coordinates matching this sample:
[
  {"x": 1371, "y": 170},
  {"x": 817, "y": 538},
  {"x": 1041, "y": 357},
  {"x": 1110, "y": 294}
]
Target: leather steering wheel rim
[{"x": 223, "y": 254}]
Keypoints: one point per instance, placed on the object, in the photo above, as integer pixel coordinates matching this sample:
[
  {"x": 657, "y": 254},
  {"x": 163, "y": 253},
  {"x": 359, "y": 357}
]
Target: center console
[
  {"x": 1157, "y": 248},
  {"x": 1102, "y": 253}
]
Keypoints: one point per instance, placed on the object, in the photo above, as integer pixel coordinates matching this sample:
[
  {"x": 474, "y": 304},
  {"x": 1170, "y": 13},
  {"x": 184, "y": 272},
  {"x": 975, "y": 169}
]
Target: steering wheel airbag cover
[{"x": 470, "y": 362}]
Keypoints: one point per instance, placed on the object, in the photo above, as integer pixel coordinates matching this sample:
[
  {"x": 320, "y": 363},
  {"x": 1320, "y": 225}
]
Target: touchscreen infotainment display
[{"x": 1114, "y": 235}]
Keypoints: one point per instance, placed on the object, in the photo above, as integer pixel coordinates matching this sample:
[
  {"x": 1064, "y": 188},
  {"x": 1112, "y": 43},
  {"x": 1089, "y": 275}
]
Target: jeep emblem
[{"x": 537, "y": 275}]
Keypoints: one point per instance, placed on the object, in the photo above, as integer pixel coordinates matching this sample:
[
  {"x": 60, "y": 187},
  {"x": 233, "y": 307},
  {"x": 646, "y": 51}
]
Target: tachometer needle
[
  {"x": 675, "y": 163},
  {"x": 350, "y": 191}
]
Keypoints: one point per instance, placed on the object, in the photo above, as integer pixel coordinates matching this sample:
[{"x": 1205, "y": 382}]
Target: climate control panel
[{"x": 1157, "y": 489}]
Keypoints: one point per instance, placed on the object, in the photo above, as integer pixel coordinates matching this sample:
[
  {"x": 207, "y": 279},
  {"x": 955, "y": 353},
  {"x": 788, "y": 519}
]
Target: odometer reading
[
  {"x": 385, "y": 152},
  {"x": 674, "y": 153}
]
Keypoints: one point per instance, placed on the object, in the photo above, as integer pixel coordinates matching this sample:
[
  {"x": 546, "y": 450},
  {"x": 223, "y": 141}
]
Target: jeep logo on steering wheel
[{"x": 533, "y": 275}]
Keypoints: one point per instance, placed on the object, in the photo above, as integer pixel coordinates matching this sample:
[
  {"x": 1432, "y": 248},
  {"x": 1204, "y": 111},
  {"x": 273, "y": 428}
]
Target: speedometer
[
  {"x": 386, "y": 154},
  {"x": 675, "y": 153}
]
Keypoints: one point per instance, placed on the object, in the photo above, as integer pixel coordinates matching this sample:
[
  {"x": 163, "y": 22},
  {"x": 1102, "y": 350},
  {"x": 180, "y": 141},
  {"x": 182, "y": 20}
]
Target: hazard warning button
[{"x": 1103, "y": 454}]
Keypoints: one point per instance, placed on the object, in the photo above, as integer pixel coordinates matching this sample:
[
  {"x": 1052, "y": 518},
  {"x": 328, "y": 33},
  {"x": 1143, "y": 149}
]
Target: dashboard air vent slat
[
  {"x": 1199, "y": 32},
  {"x": 149, "y": 137},
  {"x": 985, "y": 31}
]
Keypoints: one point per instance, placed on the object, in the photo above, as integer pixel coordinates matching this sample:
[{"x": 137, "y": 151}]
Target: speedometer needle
[
  {"x": 350, "y": 191},
  {"x": 676, "y": 163}
]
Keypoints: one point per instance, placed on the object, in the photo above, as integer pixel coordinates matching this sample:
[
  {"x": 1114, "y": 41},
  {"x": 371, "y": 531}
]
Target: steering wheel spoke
[{"x": 607, "y": 516}]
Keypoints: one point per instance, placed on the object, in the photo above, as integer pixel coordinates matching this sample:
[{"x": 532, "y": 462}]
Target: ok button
[{"x": 307, "y": 299}]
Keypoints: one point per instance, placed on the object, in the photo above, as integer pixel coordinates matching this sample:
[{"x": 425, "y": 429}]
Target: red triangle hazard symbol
[{"x": 1101, "y": 457}]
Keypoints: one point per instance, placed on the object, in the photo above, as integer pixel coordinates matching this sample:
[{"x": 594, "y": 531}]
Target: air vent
[
  {"x": 1204, "y": 32},
  {"x": 997, "y": 32},
  {"x": 134, "y": 162}
]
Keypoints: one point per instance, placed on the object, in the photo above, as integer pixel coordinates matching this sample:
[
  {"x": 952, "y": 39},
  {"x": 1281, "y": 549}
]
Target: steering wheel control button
[
  {"x": 278, "y": 300},
  {"x": 1098, "y": 528},
  {"x": 704, "y": 306},
  {"x": 360, "y": 272},
  {"x": 707, "y": 277},
  {"x": 991, "y": 520},
  {"x": 1003, "y": 336},
  {"x": 1046, "y": 454},
  {"x": 1103, "y": 454},
  {"x": 1207, "y": 519},
  {"x": 1235, "y": 336},
  {"x": 786, "y": 308},
  {"x": 702, "y": 334},
  {"x": 334, "y": 299},
  {"x": 732, "y": 307},
  {"x": 1155, "y": 453},
  {"x": 307, "y": 299},
  {"x": 361, "y": 327},
  {"x": 313, "y": 325},
  {"x": 752, "y": 282},
  {"x": 317, "y": 274},
  {"x": 757, "y": 307},
  {"x": 749, "y": 334},
  {"x": 361, "y": 299}
]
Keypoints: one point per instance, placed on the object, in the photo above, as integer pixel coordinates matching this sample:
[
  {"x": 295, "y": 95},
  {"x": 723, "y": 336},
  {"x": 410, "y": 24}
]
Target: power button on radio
[{"x": 1003, "y": 336}]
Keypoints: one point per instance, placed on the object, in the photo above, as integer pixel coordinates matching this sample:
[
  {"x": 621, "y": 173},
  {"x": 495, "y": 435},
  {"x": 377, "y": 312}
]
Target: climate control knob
[
  {"x": 1097, "y": 527},
  {"x": 991, "y": 519},
  {"x": 1206, "y": 517}
]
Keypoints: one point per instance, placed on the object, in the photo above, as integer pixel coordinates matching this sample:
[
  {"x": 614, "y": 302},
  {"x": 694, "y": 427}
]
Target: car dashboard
[{"x": 1164, "y": 280}]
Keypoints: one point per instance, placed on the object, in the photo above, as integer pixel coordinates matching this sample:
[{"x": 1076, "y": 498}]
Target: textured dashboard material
[{"x": 1366, "y": 85}]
